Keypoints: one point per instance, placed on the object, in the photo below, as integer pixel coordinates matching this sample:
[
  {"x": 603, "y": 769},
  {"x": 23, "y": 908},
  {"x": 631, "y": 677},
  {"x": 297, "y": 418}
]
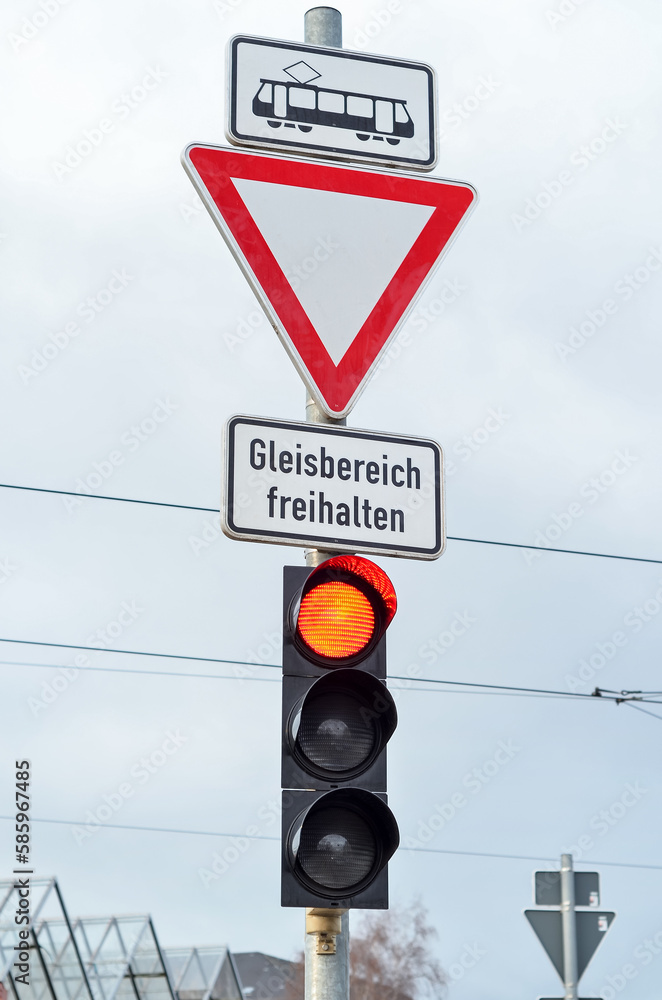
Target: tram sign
[
  {"x": 319, "y": 486},
  {"x": 337, "y": 255},
  {"x": 333, "y": 102}
]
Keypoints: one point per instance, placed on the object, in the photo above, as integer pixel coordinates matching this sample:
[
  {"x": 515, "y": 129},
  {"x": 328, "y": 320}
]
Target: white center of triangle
[{"x": 339, "y": 252}]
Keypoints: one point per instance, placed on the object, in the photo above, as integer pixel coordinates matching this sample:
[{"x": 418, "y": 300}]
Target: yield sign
[
  {"x": 336, "y": 255},
  {"x": 591, "y": 928}
]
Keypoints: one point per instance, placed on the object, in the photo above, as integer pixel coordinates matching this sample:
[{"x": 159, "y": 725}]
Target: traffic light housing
[{"x": 338, "y": 715}]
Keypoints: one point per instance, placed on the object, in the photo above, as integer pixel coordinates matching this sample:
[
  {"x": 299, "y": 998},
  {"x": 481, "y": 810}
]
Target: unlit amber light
[{"x": 336, "y": 620}]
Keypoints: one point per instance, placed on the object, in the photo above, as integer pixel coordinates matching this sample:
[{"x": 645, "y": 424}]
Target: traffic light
[{"x": 338, "y": 716}]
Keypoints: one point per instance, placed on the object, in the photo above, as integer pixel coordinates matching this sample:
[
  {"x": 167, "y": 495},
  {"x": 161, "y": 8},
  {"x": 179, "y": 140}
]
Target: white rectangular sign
[
  {"x": 337, "y": 488},
  {"x": 334, "y": 102}
]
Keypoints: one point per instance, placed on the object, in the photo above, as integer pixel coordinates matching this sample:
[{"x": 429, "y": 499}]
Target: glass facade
[{"x": 99, "y": 958}]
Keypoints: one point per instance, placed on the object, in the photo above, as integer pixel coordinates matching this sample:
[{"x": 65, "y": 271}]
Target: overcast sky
[{"x": 533, "y": 358}]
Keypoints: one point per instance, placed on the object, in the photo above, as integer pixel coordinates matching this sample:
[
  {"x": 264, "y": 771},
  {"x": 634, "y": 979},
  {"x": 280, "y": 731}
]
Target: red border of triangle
[{"x": 337, "y": 384}]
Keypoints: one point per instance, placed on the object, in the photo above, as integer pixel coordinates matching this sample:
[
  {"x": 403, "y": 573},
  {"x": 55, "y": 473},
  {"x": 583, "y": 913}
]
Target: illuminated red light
[
  {"x": 346, "y": 605},
  {"x": 336, "y": 620}
]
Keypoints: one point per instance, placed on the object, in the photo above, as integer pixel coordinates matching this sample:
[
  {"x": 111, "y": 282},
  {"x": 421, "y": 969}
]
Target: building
[
  {"x": 100, "y": 958},
  {"x": 264, "y": 977}
]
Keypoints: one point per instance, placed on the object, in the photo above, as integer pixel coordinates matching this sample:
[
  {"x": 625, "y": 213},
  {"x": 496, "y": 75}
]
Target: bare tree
[{"x": 391, "y": 958}]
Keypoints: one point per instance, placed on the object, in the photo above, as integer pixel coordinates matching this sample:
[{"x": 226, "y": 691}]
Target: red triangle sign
[{"x": 336, "y": 255}]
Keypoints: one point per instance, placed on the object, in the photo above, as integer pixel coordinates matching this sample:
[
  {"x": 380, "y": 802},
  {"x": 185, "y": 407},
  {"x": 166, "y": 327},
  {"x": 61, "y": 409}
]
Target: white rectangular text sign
[{"x": 337, "y": 488}]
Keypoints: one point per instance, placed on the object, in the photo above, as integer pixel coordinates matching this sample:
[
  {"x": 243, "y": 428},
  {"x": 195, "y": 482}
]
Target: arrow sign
[
  {"x": 337, "y": 256},
  {"x": 591, "y": 929}
]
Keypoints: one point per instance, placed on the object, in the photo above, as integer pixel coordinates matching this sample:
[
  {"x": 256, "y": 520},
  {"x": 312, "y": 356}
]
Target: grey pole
[
  {"x": 322, "y": 26},
  {"x": 327, "y": 972},
  {"x": 569, "y": 927},
  {"x": 327, "y": 944}
]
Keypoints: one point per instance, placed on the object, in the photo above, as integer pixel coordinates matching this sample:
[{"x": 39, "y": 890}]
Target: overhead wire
[
  {"x": 622, "y": 697},
  {"x": 535, "y": 692},
  {"x": 276, "y": 680},
  {"x": 484, "y": 688},
  {"x": 402, "y": 847},
  {"x": 645, "y": 710},
  {"x": 213, "y": 510}
]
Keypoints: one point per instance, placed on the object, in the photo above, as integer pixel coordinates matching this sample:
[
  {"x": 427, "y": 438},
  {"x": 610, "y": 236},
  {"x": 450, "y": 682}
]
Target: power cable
[
  {"x": 507, "y": 687},
  {"x": 239, "y": 677},
  {"x": 98, "y": 496},
  {"x": 545, "y": 548},
  {"x": 644, "y": 710},
  {"x": 132, "y": 670},
  {"x": 244, "y": 836},
  {"x": 275, "y": 666},
  {"x": 213, "y": 510},
  {"x": 135, "y": 652}
]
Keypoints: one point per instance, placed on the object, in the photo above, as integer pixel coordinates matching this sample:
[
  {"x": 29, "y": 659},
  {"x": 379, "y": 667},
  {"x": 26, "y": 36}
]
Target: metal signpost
[
  {"x": 569, "y": 936},
  {"x": 336, "y": 255},
  {"x": 335, "y": 488}
]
